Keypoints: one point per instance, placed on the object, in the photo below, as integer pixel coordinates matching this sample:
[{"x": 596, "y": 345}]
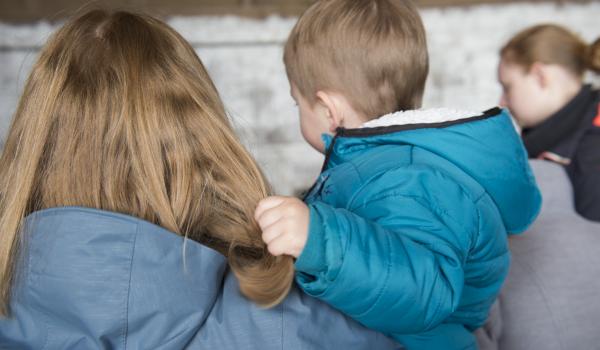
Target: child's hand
[{"x": 284, "y": 224}]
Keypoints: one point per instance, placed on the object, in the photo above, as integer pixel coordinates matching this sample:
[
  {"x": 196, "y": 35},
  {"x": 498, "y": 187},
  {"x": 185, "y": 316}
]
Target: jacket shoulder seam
[
  {"x": 126, "y": 328},
  {"x": 416, "y": 198}
]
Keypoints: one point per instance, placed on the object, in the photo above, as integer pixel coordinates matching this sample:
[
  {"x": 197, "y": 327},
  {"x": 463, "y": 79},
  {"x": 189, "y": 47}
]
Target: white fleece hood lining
[{"x": 420, "y": 116}]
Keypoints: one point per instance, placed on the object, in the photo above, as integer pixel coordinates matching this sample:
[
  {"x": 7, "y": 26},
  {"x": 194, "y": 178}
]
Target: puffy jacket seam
[
  {"x": 383, "y": 287},
  {"x": 429, "y": 324},
  {"x": 362, "y": 182},
  {"x": 478, "y": 233},
  {"x": 423, "y": 202},
  {"x": 366, "y": 183},
  {"x": 419, "y": 200},
  {"x": 355, "y": 167},
  {"x": 331, "y": 279},
  {"x": 343, "y": 251},
  {"x": 411, "y": 163}
]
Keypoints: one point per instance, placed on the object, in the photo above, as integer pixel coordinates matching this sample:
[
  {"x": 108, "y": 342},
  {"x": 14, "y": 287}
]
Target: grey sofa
[{"x": 551, "y": 299}]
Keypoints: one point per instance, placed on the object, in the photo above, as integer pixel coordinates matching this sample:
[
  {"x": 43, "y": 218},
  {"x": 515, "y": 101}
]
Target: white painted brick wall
[{"x": 244, "y": 59}]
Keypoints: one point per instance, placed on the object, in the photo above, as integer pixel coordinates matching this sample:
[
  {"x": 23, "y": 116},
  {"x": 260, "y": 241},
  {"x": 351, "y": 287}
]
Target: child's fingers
[
  {"x": 279, "y": 246},
  {"x": 269, "y": 217},
  {"x": 271, "y": 233},
  {"x": 266, "y": 204}
]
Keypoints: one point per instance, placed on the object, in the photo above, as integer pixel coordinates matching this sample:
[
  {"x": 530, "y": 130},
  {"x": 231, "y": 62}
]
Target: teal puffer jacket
[{"x": 409, "y": 223}]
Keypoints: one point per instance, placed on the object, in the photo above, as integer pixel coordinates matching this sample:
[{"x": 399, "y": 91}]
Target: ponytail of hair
[{"x": 594, "y": 56}]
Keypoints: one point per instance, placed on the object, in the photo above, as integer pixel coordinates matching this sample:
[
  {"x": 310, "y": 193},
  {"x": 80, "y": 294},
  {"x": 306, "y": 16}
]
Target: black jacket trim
[{"x": 380, "y": 130}]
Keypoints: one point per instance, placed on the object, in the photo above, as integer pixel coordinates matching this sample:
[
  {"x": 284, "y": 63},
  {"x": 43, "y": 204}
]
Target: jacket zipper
[{"x": 324, "y": 167}]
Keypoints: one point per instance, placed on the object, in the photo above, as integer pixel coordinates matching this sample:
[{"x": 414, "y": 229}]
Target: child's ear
[
  {"x": 538, "y": 71},
  {"x": 331, "y": 109}
]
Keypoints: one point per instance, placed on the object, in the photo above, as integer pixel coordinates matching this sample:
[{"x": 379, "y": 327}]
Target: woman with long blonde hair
[{"x": 125, "y": 199}]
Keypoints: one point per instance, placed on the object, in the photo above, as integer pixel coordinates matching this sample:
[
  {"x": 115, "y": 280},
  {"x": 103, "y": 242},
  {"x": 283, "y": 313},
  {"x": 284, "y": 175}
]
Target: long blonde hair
[{"x": 120, "y": 114}]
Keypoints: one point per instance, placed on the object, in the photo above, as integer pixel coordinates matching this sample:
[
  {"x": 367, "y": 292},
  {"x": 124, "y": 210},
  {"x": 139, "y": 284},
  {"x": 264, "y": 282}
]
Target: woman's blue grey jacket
[{"x": 89, "y": 279}]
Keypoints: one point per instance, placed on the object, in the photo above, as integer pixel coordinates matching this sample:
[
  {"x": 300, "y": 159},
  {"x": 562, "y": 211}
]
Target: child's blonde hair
[
  {"x": 120, "y": 114},
  {"x": 374, "y": 52},
  {"x": 552, "y": 44}
]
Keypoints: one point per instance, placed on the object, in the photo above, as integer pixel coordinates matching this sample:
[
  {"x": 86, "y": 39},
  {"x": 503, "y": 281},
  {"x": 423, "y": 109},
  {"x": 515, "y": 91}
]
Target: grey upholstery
[{"x": 551, "y": 299}]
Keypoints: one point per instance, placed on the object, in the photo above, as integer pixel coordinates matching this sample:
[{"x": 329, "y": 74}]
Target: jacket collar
[
  {"x": 560, "y": 133},
  {"x": 484, "y": 148},
  {"x": 345, "y": 140}
]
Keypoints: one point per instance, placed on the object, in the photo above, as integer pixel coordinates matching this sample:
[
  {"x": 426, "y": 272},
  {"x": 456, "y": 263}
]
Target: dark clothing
[{"x": 571, "y": 137}]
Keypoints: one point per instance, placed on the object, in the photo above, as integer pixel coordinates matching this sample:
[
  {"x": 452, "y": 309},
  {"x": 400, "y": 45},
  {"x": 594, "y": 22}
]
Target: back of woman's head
[
  {"x": 119, "y": 114},
  {"x": 552, "y": 44}
]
